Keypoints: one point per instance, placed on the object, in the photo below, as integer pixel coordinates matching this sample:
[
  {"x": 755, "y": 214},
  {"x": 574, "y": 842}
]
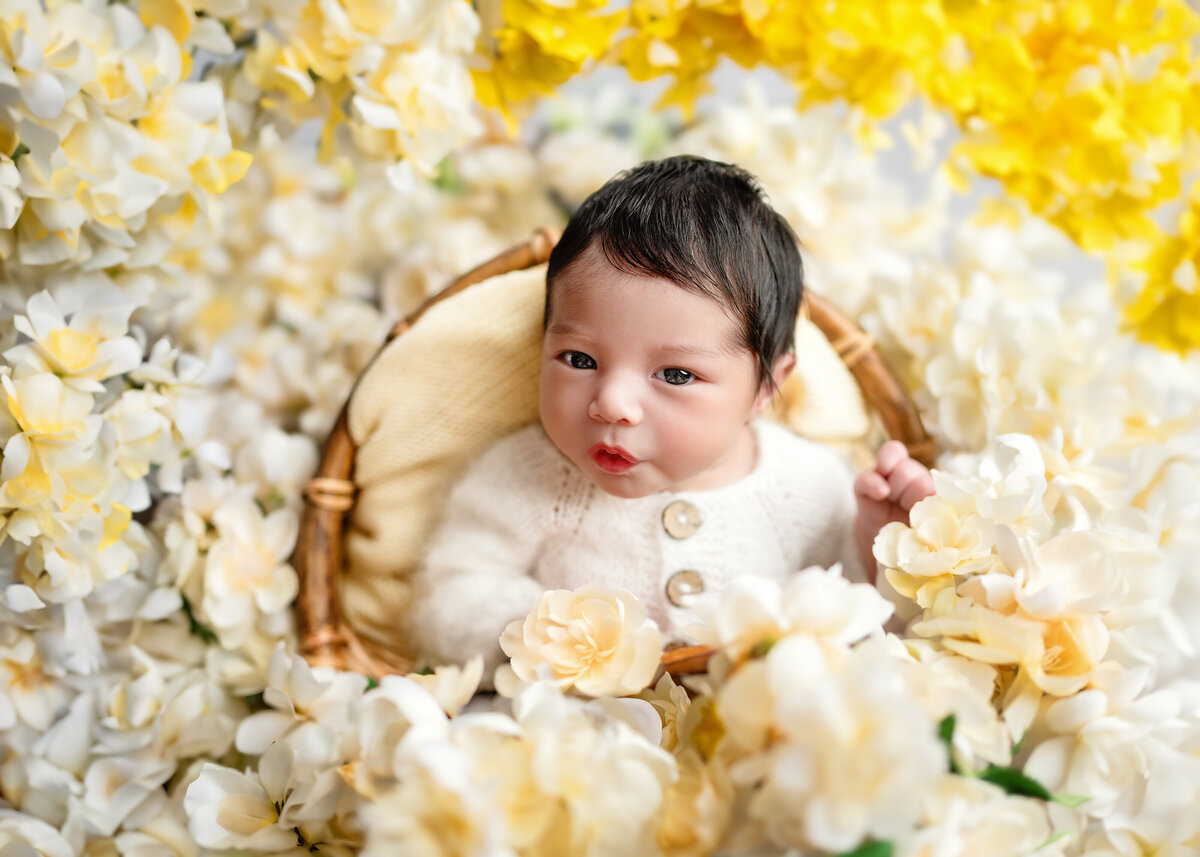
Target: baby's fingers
[
  {"x": 908, "y": 483},
  {"x": 871, "y": 486},
  {"x": 890, "y": 455},
  {"x": 916, "y": 491}
]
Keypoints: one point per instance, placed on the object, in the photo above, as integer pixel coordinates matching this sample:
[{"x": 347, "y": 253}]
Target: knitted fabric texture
[
  {"x": 524, "y": 519},
  {"x": 461, "y": 378}
]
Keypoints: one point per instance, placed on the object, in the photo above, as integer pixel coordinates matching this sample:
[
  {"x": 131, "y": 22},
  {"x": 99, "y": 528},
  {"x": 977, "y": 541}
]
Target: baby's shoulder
[{"x": 784, "y": 454}]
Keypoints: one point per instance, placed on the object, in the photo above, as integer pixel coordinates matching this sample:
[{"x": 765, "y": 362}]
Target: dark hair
[{"x": 705, "y": 226}]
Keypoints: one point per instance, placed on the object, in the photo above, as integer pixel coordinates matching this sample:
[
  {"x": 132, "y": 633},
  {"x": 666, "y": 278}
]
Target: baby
[{"x": 671, "y": 306}]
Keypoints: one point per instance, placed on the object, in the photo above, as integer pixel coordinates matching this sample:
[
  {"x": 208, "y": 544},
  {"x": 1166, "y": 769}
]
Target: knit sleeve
[
  {"x": 475, "y": 577},
  {"x": 836, "y": 486},
  {"x": 814, "y": 502}
]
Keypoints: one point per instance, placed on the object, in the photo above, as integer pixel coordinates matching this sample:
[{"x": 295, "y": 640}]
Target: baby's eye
[
  {"x": 577, "y": 360},
  {"x": 675, "y": 376}
]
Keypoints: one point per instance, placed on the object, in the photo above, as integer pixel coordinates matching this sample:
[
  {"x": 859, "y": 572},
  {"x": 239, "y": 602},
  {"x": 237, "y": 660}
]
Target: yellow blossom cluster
[
  {"x": 1167, "y": 311},
  {"x": 1079, "y": 108},
  {"x": 530, "y": 47}
]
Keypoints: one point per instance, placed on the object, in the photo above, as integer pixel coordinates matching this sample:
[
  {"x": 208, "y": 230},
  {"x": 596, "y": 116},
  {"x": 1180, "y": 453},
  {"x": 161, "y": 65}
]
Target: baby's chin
[{"x": 625, "y": 486}]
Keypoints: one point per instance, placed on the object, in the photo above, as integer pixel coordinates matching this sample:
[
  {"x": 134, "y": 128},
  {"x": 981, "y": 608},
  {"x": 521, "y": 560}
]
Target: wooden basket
[{"x": 324, "y": 636}]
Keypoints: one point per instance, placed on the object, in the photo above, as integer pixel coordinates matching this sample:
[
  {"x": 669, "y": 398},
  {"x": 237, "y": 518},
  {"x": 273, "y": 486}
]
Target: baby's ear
[{"x": 783, "y": 367}]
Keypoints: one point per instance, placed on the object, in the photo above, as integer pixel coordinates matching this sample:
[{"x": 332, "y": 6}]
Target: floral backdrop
[{"x": 212, "y": 212}]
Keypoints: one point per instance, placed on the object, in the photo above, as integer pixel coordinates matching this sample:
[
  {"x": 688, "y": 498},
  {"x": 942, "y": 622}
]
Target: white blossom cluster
[
  {"x": 111, "y": 154},
  {"x": 182, "y": 336}
]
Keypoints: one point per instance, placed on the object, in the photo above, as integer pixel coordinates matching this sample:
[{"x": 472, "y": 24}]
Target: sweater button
[
  {"x": 682, "y": 585},
  {"x": 681, "y": 519}
]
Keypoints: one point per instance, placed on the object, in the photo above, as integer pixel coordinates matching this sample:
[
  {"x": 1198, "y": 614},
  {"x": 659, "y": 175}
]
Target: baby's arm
[
  {"x": 475, "y": 578},
  {"x": 886, "y": 494}
]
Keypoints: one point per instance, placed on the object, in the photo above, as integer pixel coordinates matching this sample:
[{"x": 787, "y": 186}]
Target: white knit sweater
[{"x": 524, "y": 520}]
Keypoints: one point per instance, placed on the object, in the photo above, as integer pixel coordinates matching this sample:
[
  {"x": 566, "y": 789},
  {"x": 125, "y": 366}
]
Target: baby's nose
[{"x": 616, "y": 401}]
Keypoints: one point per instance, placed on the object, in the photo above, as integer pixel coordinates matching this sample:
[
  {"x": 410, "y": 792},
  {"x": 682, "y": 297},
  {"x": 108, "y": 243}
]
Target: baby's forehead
[
  {"x": 600, "y": 303},
  {"x": 593, "y": 266}
]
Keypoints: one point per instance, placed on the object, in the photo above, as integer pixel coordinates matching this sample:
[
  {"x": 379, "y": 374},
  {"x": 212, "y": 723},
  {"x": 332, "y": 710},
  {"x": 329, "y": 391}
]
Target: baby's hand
[{"x": 888, "y": 492}]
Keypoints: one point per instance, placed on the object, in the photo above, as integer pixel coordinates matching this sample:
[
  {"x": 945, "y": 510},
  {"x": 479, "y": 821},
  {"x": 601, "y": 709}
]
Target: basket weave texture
[{"x": 404, "y": 437}]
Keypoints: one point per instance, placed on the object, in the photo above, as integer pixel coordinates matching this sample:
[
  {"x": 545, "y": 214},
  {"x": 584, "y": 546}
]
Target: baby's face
[{"x": 645, "y": 386}]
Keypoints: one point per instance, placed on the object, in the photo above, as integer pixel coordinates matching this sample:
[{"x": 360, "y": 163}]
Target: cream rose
[{"x": 595, "y": 639}]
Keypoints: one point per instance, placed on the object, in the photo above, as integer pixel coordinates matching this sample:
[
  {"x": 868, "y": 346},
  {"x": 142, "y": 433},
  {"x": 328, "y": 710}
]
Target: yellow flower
[
  {"x": 1045, "y": 616},
  {"x": 49, "y": 431},
  {"x": 922, "y": 559},
  {"x": 535, "y": 46},
  {"x": 595, "y": 639},
  {"x": 1167, "y": 311},
  {"x": 686, "y": 39}
]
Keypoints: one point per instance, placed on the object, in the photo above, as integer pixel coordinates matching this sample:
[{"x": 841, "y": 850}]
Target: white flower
[
  {"x": 311, "y": 709},
  {"x": 177, "y": 715},
  {"x": 11, "y": 200},
  {"x": 829, "y": 747},
  {"x": 415, "y": 104},
  {"x": 1124, "y": 750},
  {"x": 228, "y": 809},
  {"x": 436, "y": 814},
  {"x": 946, "y": 684},
  {"x": 672, "y": 703},
  {"x": 24, "y": 834},
  {"x": 144, "y": 432},
  {"x": 29, "y": 695},
  {"x": 452, "y": 686},
  {"x": 122, "y": 789},
  {"x": 755, "y": 612},
  {"x": 1006, "y": 484},
  {"x": 1046, "y": 616},
  {"x": 92, "y": 347},
  {"x": 123, "y": 153},
  {"x": 578, "y": 161},
  {"x": 279, "y": 463},
  {"x": 71, "y": 566},
  {"x": 696, "y": 810},
  {"x": 939, "y": 542},
  {"x": 970, "y": 818},
  {"x": 600, "y": 782},
  {"x": 392, "y": 718},
  {"x": 246, "y": 574},
  {"x": 596, "y": 639},
  {"x": 49, "y": 434}
]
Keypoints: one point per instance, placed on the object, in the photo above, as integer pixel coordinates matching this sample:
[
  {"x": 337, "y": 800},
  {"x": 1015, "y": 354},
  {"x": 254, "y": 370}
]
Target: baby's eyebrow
[
  {"x": 693, "y": 350},
  {"x": 560, "y": 328}
]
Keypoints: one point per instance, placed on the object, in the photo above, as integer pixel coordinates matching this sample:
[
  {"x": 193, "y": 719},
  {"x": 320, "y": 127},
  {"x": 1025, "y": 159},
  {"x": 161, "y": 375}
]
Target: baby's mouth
[{"x": 611, "y": 459}]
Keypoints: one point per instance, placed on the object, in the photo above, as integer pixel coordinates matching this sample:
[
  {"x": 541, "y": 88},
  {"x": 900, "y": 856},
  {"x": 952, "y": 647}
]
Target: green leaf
[
  {"x": 763, "y": 646},
  {"x": 202, "y": 631},
  {"x": 1014, "y": 782},
  {"x": 870, "y": 848},
  {"x": 946, "y": 733},
  {"x": 946, "y": 729},
  {"x": 1062, "y": 834},
  {"x": 21, "y": 149},
  {"x": 371, "y": 683},
  {"x": 447, "y": 179},
  {"x": 1070, "y": 800}
]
